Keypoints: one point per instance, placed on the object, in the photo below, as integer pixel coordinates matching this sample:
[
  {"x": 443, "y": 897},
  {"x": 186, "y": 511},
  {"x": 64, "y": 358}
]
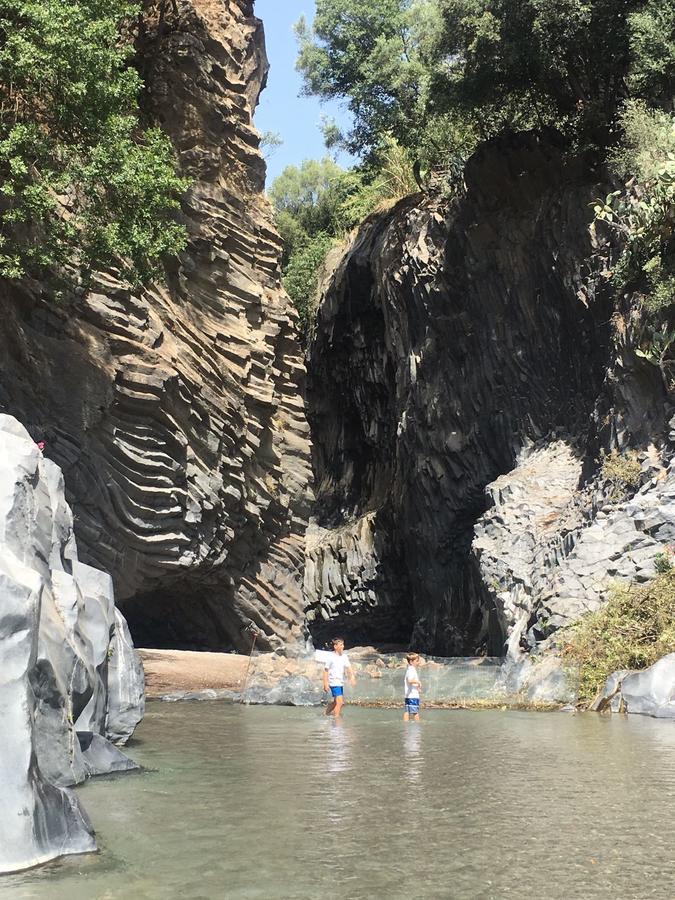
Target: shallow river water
[{"x": 260, "y": 802}]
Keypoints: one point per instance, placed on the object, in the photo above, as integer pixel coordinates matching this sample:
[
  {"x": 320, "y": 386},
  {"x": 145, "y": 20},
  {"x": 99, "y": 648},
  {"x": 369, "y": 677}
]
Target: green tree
[
  {"x": 523, "y": 63},
  {"x": 652, "y": 73},
  {"x": 436, "y": 74},
  {"x": 307, "y": 200},
  {"x": 379, "y": 56},
  {"x": 81, "y": 181}
]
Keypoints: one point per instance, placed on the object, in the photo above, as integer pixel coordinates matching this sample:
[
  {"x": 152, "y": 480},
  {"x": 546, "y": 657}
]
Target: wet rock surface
[
  {"x": 176, "y": 412},
  {"x": 650, "y": 692},
  {"x": 58, "y": 634}
]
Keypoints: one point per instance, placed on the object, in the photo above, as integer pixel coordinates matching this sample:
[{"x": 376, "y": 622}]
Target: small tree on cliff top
[
  {"x": 81, "y": 180},
  {"x": 439, "y": 74}
]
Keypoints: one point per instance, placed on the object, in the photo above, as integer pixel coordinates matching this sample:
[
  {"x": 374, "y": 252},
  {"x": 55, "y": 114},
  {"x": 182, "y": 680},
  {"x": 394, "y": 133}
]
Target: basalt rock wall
[
  {"x": 176, "y": 412},
  {"x": 454, "y": 337}
]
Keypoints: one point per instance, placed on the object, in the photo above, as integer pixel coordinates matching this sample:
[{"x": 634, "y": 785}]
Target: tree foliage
[
  {"x": 381, "y": 57},
  {"x": 440, "y": 74},
  {"x": 643, "y": 212},
  {"x": 81, "y": 180},
  {"x": 301, "y": 276},
  {"x": 307, "y": 200},
  {"x": 652, "y": 44}
]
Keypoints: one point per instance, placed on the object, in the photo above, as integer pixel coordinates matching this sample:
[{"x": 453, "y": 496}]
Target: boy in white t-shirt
[
  {"x": 334, "y": 677},
  {"x": 412, "y": 689}
]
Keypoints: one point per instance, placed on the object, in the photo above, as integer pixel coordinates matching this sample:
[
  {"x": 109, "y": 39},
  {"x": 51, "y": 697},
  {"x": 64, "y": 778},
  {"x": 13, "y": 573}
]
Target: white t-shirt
[
  {"x": 335, "y": 666},
  {"x": 412, "y": 692}
]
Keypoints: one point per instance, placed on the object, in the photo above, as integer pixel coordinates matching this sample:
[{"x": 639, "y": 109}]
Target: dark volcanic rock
[
  {"x": 452, "y": 337},
  {"x": 176, "y": 412}
]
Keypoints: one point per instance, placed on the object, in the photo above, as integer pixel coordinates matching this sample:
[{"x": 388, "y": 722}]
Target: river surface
[{"x": 266, "y": 802}]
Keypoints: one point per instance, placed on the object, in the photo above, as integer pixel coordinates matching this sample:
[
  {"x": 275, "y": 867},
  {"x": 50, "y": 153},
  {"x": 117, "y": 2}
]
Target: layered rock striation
[
  {"x": 71, "y": 684},
  {"x": 458, "y": 341},
  {"x": 176, "y": 412}
]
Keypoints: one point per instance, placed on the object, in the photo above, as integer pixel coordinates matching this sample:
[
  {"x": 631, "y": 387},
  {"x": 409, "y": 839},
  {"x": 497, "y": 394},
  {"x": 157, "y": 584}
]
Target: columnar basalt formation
[
  {"x": 453, "y": 338},
  {"x": 71, "y": 684},
  {"x": 549, "y": 553},
  {"x": 176, "y": 412}
]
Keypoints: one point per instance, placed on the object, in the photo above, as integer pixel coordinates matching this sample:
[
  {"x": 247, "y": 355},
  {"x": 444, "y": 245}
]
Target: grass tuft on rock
[
  {"x": 622, "y": 471},
  {"x": 634, "y": 629}
]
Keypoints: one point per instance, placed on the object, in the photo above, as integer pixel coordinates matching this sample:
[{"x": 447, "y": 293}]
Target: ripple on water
[{"x": 261, "y": 802}]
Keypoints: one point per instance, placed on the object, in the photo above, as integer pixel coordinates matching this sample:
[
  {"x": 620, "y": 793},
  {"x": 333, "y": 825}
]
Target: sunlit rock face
[
  {"x": 176, "y": 412},
  {"x": 549, "y": 553},
  {"x": 453, "y": 339},
  {"x": 71, "y": 685}
]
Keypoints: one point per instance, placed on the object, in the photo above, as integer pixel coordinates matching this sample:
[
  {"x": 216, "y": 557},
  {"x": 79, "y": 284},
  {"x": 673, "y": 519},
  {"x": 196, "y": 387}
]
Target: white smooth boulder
[
  {"x": 63, "y": 701},
  {"x": 651, "y": 692}
]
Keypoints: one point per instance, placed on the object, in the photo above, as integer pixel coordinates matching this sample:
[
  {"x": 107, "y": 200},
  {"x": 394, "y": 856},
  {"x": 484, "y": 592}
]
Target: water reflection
[
  {"x": 412, "y": 751},
  {"x": 339, "y": 746},
  {"x": 257, "y": 803}
]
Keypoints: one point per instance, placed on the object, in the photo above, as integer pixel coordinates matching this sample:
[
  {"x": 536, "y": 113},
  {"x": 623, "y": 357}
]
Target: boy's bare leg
[
  {"x": 338, "y": 706},
  {"x": 330, "y": 707},
  {"x": 406, "y": 716},
  {"x": 416, "y": 717}
]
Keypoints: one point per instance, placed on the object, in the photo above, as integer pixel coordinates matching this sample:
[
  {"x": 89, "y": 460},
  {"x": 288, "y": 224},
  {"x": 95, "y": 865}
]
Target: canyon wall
[
  {"x": 458, "y": 341},
  {"x": 176, "y": 412}
]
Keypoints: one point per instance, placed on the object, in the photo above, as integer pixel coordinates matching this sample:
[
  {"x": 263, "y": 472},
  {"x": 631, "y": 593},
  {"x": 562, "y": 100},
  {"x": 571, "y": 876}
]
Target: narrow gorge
[
  {"x": 427, "y": 468},
  {"x": 465, "y": 377}
]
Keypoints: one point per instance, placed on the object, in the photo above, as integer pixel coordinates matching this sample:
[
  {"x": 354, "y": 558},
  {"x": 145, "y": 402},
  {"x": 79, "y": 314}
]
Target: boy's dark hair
[{"x": 337, "y": 640}]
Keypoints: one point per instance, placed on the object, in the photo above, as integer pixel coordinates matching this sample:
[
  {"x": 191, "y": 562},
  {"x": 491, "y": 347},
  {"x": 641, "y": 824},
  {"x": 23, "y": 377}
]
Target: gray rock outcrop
[
  {"x": 61, "y": 702},
  {"x": 176, "y": 412},
  {"x": 444, "y": 344},
  {"x": 548, "y": 553}
]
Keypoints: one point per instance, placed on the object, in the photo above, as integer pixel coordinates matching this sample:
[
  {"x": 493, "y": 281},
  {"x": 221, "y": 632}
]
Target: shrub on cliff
[
  {"x": 642, "y": 214},
  {"x": 622, "y": 473},
  {"x": 634, "y": 629},
  {"x": 82, "y": 181},
  {"x": 317, "y": 203},
  {"x": 301, "y": 278}
]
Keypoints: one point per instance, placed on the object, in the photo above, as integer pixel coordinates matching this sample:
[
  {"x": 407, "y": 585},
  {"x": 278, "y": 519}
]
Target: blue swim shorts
[
  {"x": 412, "y": 705},
  {"x": 337, "y": 690}
]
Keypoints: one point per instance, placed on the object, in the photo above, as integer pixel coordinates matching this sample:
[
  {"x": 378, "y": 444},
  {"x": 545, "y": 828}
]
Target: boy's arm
[
  {"x": 352, "y": 676},
  {"x": 325, "y": 679}
]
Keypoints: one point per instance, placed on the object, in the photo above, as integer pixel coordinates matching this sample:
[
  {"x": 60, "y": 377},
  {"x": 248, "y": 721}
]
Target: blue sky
[{"x": 296, "y": 119}]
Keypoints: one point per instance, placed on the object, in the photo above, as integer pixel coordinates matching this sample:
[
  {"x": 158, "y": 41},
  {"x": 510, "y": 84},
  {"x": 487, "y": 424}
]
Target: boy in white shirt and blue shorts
[
  {"x": 334, "y": 677},
  {"x": 412, "y": 689}
]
